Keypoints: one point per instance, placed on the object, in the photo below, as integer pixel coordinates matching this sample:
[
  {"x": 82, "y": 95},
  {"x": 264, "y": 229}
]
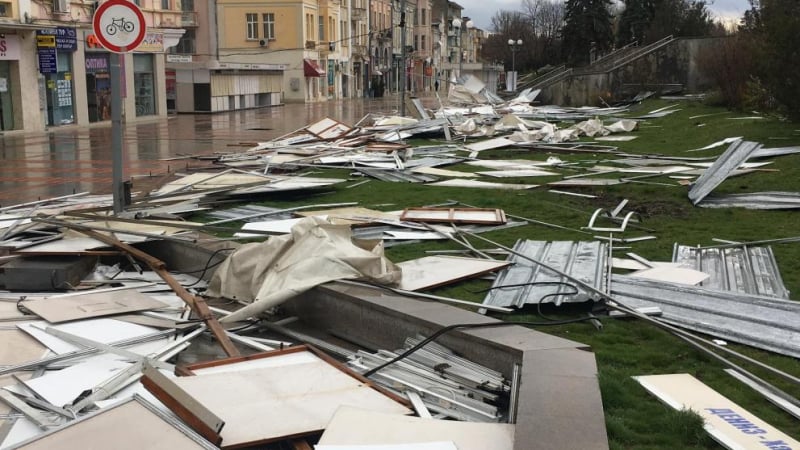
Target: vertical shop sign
[
  {"x": 51, "y": 41},
  {"x": 46, "y": 48}
]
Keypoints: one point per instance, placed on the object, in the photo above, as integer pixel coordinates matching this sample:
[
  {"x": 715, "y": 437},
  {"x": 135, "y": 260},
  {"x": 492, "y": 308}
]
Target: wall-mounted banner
[{"x": 9, "y": 47}]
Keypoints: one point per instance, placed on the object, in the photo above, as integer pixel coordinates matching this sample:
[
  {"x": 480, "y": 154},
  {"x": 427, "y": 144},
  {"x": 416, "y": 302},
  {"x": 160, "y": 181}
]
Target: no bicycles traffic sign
[{"x": 119, "y": 25}]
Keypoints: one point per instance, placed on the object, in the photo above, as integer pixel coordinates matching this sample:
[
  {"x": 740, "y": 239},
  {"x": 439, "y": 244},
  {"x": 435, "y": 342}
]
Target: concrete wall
[
  {"x": 25, "y": 90},
  {"x": 662, "y": 70}
]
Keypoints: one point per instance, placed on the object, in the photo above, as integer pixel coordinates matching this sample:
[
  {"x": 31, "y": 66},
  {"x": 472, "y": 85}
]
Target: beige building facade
[{"x": 54, "y": 72}]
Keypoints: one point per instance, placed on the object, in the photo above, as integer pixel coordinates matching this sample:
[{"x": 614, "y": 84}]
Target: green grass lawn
[{"x": 627, "y": 347}]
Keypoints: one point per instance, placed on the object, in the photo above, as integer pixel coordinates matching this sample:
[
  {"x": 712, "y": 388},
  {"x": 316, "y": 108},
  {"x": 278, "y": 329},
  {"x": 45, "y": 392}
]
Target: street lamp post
[
  {"x": 457, "y": 25},
  {"x": 515, "y": 47}
]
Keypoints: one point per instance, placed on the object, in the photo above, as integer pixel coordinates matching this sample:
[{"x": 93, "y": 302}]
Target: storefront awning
[{"x": 311, "y": 68}]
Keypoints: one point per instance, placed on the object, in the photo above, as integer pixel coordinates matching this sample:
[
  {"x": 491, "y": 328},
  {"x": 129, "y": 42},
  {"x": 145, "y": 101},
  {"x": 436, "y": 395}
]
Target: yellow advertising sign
[{"x": 46, "y": 41}]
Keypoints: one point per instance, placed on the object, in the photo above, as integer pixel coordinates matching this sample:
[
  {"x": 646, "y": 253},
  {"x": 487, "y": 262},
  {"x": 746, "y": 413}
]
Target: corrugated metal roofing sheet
[
  {"x": 585, "y": 260},
  {"x": 745, "y": 270},
  {"x": 763, "y": 322},
  {"x": 735, "y": 155}
]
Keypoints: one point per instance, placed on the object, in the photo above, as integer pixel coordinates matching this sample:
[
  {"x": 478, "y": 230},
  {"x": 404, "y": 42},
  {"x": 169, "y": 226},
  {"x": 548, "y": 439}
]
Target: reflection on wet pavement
[{"x": 69, "y": 160}]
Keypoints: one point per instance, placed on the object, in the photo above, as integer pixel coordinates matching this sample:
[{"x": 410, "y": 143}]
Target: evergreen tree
[
  {"x": 635, "y": 21},
  {"x": 778, "y": 23},
  {"x": 587, "y": 30},
  {"x": 646, "y": 21}
]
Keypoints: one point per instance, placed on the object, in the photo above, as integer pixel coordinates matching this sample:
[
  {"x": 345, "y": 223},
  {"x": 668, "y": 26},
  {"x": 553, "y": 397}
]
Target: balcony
[
  {"x": 358, "y": 14},
  {"x": 188, "y": 19},
  {"x": 360, "y": 50}
]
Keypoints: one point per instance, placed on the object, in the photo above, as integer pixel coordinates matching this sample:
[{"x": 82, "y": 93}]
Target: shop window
[
  {"x": 5, "y": 9},
  {"x": 144, "y": 85},
  {"x": 186, "y": 44}
]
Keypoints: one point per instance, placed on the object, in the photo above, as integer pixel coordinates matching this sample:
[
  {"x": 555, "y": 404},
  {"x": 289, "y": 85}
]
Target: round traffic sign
[{"x": 119, "y": 25}]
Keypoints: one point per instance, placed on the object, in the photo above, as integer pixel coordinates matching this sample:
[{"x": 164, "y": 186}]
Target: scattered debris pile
[{"x": 109, "y": 319}]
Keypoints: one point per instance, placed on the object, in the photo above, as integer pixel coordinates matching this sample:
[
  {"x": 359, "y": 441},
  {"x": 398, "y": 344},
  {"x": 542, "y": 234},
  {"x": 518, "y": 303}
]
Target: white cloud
[{"x": 481, "y": 11}]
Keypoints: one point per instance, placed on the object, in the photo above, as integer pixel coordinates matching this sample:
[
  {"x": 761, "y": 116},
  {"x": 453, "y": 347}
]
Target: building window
[
  {"x": 269, "y": 25},
  {"x": 252, "y": 26},
  {"x": 321, "y": 28},
  {"x": 187, "y": 5},
  {"x": 186, "y": 43},
  {"x": 422, "y": 42},
  {"x": 165, "y": 4},
  {"x": 424, "y": 16}
]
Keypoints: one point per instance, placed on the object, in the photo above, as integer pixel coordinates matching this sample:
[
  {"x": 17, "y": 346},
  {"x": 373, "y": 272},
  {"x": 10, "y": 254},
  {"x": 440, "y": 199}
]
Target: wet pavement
[{"x": 70, "y": 160}]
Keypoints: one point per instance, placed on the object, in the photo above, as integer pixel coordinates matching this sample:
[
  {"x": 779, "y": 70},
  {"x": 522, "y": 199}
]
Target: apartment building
[
  {"x": 240, "y": 54},
  {"x": 54, "y": 72}
]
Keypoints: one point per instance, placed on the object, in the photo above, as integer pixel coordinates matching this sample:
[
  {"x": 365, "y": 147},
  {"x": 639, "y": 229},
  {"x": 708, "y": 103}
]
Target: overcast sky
[{"x": 482, "y": 11}]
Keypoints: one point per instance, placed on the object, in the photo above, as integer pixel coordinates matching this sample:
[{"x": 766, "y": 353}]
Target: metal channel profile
[
  {"x": 744, "y": 270},
  {"x": 762, "y": 322},
  {"x": 584, "y": 260},
  {"x": 735, "y": 155},
  {"x": 755, "y": 200},
  {"x": 396, "y": 175}
]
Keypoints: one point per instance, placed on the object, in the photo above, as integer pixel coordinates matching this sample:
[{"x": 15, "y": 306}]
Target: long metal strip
[{"x": 763, "y": 322}]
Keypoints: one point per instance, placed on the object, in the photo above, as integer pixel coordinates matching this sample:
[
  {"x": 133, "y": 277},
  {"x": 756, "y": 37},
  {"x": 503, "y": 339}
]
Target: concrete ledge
[{"x": 559, "y": 404}]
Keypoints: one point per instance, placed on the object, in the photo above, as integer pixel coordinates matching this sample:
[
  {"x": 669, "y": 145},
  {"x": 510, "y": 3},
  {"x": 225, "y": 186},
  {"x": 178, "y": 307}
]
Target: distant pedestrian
[{"x": 436, "y": 85}]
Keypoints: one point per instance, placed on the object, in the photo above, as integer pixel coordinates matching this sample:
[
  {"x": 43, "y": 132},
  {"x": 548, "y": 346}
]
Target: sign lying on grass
[{"x": 728, "y": 423}]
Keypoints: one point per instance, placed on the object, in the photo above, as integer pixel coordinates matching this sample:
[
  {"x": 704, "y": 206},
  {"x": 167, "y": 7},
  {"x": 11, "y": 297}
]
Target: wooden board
[
  {"x": 328, "y": 128},
  {"x": 356, "y": 426},
  {"x": 482, "y": 216},
  {"x": 300, "y": 396},
  {"x": 434, "y": 271},
  {"x": 86, "y": 306},
  {"x": 728, "y": 423}
]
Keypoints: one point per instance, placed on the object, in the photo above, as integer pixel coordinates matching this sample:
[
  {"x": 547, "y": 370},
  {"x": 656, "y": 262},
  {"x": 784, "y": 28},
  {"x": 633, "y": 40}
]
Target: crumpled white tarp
[
  {"x": 591, "y": 128},
  {"x": 315, "y": 252},
  {"x": 622, "y": 126}
]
